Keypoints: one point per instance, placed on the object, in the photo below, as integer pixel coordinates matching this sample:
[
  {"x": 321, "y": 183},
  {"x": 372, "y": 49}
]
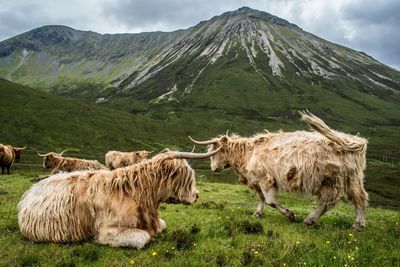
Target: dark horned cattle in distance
[
  {"x": 118, "y": 208},
  {"x": 8, "y": 154},
  {"x": 324, "y": 162}
]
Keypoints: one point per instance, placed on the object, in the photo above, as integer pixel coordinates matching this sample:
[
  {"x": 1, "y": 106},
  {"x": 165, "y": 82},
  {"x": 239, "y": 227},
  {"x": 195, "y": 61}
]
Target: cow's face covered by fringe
[
  {"x": 17, "y": 152},
  {"x": 220, "y": 160},
  {"x": 48, "y": 161},
  {"x": 181, "y": 184}
]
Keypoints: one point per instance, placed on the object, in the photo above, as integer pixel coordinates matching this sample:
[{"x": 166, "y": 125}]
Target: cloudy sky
[{"x": 366, "y": 25}]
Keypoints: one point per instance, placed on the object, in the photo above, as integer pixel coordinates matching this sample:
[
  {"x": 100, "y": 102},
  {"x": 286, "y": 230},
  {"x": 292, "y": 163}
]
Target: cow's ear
[{"x": 224, "y": 139}]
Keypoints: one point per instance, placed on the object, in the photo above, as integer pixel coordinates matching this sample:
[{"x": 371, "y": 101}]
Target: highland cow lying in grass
[
  {"x": 58, "y": 163},
  {"x": 326, "y": 163},
  {"x": 117, "y": 208}
]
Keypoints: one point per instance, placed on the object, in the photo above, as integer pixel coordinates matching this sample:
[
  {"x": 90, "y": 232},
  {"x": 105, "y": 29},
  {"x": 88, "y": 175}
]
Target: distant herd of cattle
[{"x": 117, "y": 203}]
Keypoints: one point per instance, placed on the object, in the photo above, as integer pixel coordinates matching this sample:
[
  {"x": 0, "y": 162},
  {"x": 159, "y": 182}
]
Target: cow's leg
[
  {"x": 8, "y": 169},
  {"x": 123, "y": 237},
  {"x": 2, "y": 169},
  {"x": 328, "y": 196},
  {"x": 261, "y": 199},
  {"x": 359, "y": 197},
  {"x": 162, "y": 224},
  {"x": 257, "y": 190},
  {"x": 270, "y": 193}
]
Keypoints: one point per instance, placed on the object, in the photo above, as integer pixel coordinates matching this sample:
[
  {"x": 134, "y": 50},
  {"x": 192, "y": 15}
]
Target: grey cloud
[
  {"x": 13, "y": 22},
  {"x": 387, "y": 11},
  {"x": 376, "y": 28},
  {"x": 169, "y": 15}
]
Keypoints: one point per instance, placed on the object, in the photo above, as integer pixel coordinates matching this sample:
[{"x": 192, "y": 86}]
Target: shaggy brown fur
[
  {"x": 57, "y": 163},
  {"x": 8, "y": 155},
  {"x": 117, "y": 208},
  {"x": 117, "y": 159},
  {"x": 326, "y": 163}
]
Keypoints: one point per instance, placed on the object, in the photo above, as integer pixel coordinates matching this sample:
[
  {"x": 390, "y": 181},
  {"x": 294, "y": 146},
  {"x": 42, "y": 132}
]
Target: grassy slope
[
  {"x": 47, "y": 122},
  {"x": 218, "y": 230}
]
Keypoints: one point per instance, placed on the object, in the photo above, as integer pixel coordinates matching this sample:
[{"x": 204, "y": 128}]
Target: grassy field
[{"x": 218, "y": 230}]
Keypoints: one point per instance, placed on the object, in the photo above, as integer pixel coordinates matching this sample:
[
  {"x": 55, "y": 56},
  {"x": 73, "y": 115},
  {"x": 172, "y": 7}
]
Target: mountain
[
  {"x": 277, "y": 51},
  {"x": 244, "y": 70}
]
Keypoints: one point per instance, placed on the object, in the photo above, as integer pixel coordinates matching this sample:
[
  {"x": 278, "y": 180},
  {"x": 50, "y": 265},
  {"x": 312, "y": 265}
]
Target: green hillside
[{"x": 46, "y": 122}]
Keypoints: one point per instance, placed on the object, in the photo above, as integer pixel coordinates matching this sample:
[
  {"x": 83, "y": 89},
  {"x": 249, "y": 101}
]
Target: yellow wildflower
[
  {"x": 131, "y": 262},
  {"x": 154, "y": 253},
  {"x": 334, "y": 257},
  {"x": 350, "y": 234},
  {"x": 328, "y": 242},
  {"x": 297, "y": 242}
]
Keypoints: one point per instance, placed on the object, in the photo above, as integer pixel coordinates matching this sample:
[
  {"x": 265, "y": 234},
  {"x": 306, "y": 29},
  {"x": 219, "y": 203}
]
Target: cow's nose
[{"x": 197, "y": 195}]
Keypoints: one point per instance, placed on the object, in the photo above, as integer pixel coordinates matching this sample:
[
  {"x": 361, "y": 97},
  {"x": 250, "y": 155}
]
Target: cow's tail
[{"x": 347, "y": 142}]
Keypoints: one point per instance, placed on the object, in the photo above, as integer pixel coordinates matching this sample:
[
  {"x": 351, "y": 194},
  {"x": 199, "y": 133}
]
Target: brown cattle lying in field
[
  {"x": 56, "y": 162},
  {"x": 325, "y": 162},
  {"x": 8, "y": 155},
  {"x": 117, "y": 159},
  {"x": 117, "y": 208}
]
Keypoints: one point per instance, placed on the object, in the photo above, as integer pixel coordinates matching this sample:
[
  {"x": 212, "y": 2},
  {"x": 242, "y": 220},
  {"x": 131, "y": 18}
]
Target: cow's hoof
[
  {"x": 257, "y": 214},
  {"x": 308, "y": 221},
  {"x": 291, "y": 216},
  {"x": 358, "y": 225}
]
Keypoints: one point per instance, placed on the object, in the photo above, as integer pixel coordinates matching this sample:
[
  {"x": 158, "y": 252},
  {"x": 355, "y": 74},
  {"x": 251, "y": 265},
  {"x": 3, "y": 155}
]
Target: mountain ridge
[{"x": 52, "y": 55}]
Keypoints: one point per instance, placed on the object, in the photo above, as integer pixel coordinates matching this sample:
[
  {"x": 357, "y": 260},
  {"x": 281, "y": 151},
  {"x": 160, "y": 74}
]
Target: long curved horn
[
  {"x": 190, "y": 155},
  {"x": 42, "y": 155},
  {"x": 21, "y": 148},
  {"x": 63, "y": 152},
  {"x": 208, "y": 142},
  {"x": 193, "y": 149},
  {"x": 227, "y": 132}
]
